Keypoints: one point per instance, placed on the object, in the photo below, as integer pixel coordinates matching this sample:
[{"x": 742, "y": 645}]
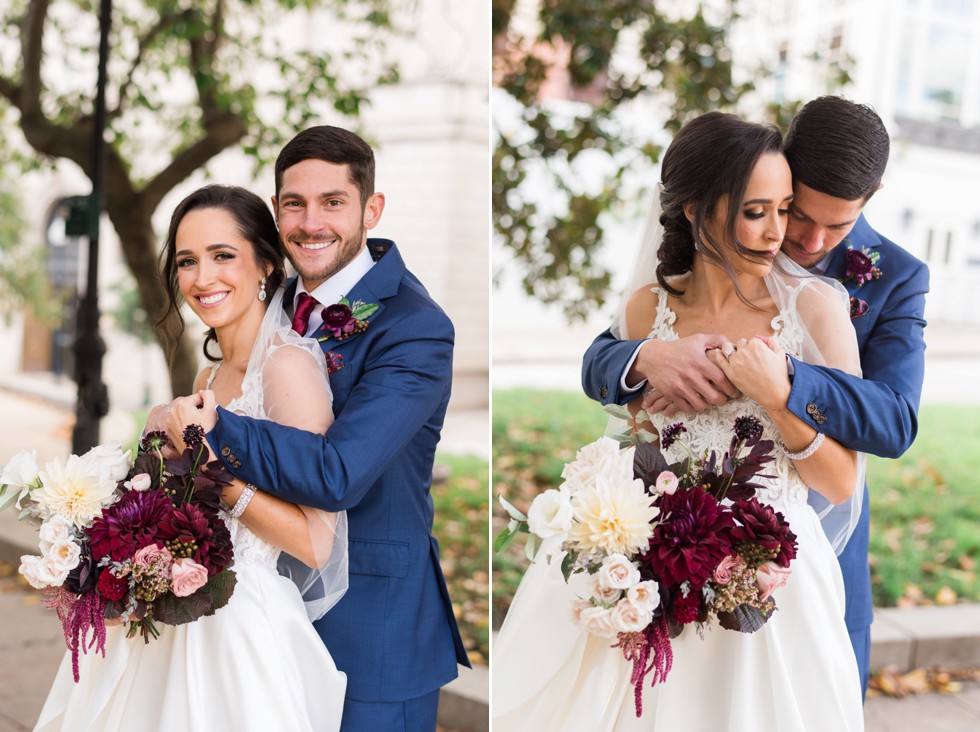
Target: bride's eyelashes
[
  {"x": 756, "y": 215},
  {"x": 190, "y": 261}
]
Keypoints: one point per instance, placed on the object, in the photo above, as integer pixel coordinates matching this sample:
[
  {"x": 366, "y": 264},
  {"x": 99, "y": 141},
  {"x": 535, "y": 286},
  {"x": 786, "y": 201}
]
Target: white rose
[
  {"x": 21, "y": 471},
  {"x": 56, "y": 528},
  {"x": 598, "y": 621},
  {"x": 602, "y": 593},
  {"x": 64, "y": 555},
  {"x": 628, "y": 618},
  {"x": 579, "y": 607},
  {"x": 107, "y": 461},
  {"x": 40, "y": 572},
  {"x": 602, "y": 457},
  {"x": 140, "y": 482},
  {"x": 618, "y": 572},
  {"x": 645, "y": 596},
  {"x": 550, "y": 514}
]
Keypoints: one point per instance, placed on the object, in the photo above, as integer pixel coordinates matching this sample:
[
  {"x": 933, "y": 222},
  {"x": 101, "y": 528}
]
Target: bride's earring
[{"x": 262, "y": 294}]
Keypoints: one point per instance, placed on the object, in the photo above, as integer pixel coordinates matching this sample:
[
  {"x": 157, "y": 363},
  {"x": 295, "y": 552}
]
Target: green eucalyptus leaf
[{"x": 512, "y": 511}]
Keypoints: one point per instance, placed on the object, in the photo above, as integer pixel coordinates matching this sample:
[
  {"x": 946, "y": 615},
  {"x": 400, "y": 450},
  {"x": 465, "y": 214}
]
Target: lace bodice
[
  {"x": 712, "y": 428},
  {"x": 249, "y": 548}
]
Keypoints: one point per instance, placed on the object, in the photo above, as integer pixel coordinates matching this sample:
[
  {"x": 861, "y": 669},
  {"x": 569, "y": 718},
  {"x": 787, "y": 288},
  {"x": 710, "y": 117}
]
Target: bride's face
[
  {"x": 762, "y": 218},
  {"x": 217, "y": 270}
]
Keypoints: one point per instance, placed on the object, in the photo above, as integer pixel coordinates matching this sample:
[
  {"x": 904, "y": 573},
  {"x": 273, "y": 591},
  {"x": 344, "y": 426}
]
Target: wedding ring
[{"x": 728, "y": 350}]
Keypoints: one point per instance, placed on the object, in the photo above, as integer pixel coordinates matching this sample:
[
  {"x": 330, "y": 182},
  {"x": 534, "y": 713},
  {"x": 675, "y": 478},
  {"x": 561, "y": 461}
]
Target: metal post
[{"x": 93, "y": 397}]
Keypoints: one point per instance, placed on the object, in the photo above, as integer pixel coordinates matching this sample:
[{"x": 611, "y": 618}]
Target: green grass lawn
[{"x": 925, "y": 507}]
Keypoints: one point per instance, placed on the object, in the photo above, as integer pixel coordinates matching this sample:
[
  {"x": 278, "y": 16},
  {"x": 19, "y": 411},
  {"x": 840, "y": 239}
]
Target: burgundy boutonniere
[
  {"x": 858, "y": 307},
  {"x": 335, "y": 362},
  {"x": 344, "y": 319},
  {"x": 861, "y": 265}
]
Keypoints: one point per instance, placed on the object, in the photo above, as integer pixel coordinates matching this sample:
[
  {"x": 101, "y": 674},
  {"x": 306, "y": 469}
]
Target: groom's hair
[
  {"x": 838, "y": 147},
  {"x": 332, "y": 145}
]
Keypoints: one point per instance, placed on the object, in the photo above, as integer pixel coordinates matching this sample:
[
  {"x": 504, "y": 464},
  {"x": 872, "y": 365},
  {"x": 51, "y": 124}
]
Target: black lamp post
[{"x": 93, "y": 397}]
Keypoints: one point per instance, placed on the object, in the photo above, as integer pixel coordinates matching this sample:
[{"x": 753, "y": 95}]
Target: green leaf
[
  {"x": 513, "y": 512},
  {"x": 566, "y": 565},
  {"x": 618, "y": 410},
  {"x": 531, "y": 548},
  {"x": 365, "y": 311},
  {"x": 504, "y": 539}
]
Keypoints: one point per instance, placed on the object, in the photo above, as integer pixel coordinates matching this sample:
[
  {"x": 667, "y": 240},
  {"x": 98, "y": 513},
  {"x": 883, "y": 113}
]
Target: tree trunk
[{"x": 134, "y": 226}]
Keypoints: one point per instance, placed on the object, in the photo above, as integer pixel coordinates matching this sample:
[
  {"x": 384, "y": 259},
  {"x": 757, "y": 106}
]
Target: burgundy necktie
[{"x": 304, "y": 308}]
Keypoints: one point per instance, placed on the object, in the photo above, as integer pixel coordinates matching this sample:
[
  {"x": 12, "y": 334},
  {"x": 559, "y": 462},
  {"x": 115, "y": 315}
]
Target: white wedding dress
[
  {"x": 797, "y": 674},
  {"x": 257, "y": 664}
]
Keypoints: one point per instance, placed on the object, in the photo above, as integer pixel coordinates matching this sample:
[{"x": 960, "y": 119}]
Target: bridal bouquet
[
  {"x": 663, "y": 545},
  {"x": 136, "y": 542}
]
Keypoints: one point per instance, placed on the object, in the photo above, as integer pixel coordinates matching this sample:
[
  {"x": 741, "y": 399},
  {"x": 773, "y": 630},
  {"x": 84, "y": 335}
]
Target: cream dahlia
[
  {"x": 70, "y": 490},
  {"x": 613, "y": 516}
]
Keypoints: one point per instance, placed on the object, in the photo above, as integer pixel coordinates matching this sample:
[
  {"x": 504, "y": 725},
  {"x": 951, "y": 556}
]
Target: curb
[{"x": 464, "y": 703}]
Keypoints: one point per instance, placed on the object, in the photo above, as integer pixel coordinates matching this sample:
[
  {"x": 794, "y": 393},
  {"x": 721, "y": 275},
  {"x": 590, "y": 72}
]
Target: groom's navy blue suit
[
  {"x": 394, "y": 633},
  {"x": 876, "y": 413}
]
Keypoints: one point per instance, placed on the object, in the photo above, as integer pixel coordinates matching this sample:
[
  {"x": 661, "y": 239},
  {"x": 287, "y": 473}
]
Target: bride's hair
[
  {"x": 712, "y": 156},
  {"x": 255, "y": 224}
]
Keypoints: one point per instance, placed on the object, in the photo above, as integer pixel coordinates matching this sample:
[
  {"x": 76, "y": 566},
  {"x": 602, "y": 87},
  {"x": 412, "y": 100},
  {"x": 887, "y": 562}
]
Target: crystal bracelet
[
  {"x": 242, "y": 503},
  {"x": 808, "y": 450}
]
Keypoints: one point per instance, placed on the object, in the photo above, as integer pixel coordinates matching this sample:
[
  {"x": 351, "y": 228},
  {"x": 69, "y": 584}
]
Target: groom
[
  {"x": 837, "y": 151},
  {"x": 394, "y": 633}
]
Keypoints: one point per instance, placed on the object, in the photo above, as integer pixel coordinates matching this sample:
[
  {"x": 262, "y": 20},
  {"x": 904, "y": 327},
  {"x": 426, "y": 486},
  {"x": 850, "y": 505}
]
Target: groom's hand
[{"x": 680, "y": 377}]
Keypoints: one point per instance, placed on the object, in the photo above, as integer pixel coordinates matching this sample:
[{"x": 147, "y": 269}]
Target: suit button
[
  {"x": 226, "y": 451},
  {"x": 237, "y": 464},
  {"x": 603, "y": 392},
  {"x": 811, "y": 408}
]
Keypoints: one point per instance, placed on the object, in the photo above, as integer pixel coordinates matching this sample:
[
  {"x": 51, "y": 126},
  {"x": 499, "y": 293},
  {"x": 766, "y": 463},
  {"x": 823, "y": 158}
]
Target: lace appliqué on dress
[
  {"x": 712, "y": 428},
  {"x": 249, "y": 548}
]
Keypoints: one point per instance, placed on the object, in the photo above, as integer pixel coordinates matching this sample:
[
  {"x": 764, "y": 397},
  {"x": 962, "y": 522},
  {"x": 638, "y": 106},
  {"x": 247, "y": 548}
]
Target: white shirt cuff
[{"x": 622, "y": 379}]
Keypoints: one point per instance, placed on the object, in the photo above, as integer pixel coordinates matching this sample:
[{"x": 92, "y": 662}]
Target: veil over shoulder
[{"x": 286, "y": 382}]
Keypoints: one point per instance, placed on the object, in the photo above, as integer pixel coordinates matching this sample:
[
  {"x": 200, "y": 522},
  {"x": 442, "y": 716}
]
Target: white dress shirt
[{"x": 330, "y": 292}]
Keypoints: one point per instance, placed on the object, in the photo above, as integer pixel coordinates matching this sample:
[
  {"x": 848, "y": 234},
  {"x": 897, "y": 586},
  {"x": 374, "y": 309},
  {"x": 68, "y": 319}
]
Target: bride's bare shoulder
[{"x": 641, "y": 311}]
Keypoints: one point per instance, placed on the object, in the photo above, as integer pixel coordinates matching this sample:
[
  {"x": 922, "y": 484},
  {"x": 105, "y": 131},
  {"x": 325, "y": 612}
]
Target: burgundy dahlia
[
  {"x": 764, "y": 527},
  {"x": 129, "y": 524},
  {"x": 190, "y": 532},
  {"x": 112, "y": 588},
  {"x": 693, "y": 536}
]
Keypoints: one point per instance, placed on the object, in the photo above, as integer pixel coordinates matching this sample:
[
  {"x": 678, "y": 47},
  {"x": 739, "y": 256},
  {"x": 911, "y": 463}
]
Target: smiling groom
[{"x": 389, "y": 349}]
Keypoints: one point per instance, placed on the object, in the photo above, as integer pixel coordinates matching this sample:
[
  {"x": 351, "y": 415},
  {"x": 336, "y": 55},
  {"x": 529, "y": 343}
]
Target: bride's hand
[
  {"x": 196, "y": 409},
  {"x": 758, "y": 368}
]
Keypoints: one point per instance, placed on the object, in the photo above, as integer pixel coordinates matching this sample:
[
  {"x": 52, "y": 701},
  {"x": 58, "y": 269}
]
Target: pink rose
[
  {"x": 770, "y": 577},
  {"x": 140, "y": 482},
  {"x": 188, "y": 577},
  {"x": 666, "y": 483},
  {"x": 618, "y": 572},
  {"x": 725, "y": 569},
  {"x": 579, "y": 607},
  {"x": 598, "y": 621},
  {"x": 604, "y": 594},
  {"x": 152, "y": 553}
]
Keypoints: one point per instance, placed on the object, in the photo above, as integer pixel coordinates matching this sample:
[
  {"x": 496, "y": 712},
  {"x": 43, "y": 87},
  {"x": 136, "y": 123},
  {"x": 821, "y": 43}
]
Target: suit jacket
[
  {"x": 394, "y": 633},
  {"x": 876, "y": 413}
]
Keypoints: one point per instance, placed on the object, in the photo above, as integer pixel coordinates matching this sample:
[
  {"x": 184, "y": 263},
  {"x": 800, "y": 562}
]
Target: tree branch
[
  {"x": 220, "y": 133},
  {"x": 165, "y": 23},
  {"x": 32, "y": 46}
]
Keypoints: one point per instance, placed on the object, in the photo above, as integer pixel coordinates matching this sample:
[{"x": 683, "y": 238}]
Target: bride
[
  {"x": 715, "y": 268},
  {"x": 257, "y": 663}
]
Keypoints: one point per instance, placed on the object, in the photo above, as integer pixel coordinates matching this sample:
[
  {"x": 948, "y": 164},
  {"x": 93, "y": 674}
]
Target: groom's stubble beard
[{"x": 347, "y": 250}]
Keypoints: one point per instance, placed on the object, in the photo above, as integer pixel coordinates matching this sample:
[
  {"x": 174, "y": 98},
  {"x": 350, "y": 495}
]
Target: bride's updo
[
  {"x": 712, "y": 156},
  {"x": 255, "y": 224}
]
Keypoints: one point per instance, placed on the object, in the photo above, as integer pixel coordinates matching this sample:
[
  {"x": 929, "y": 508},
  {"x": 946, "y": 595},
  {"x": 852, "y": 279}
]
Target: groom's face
[
  {"x": 817, "y": 223},
  {"x": 322, "y": 221}
]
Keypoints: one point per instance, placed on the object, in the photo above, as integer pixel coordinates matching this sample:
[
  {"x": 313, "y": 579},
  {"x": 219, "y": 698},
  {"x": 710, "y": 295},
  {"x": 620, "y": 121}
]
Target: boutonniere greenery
[
  {"x": 861, "y": 265},
  {"x": 345, "y": 319}
]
